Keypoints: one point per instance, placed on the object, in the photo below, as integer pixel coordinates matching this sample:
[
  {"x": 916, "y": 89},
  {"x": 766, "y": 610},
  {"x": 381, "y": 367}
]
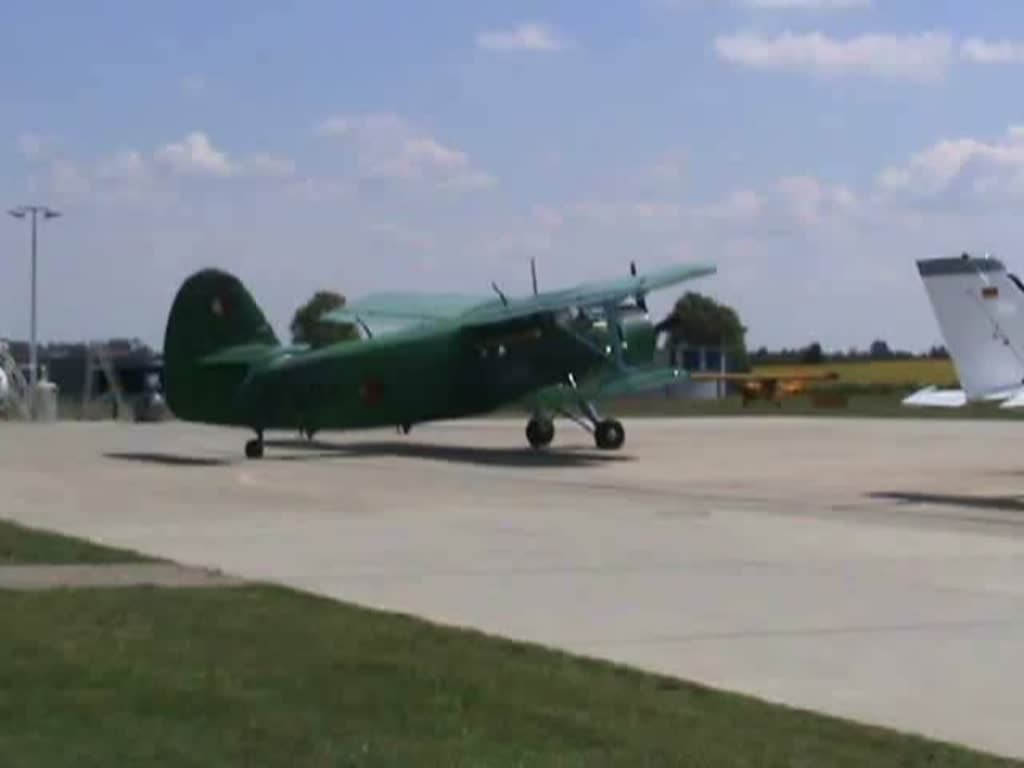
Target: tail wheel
[
  {"x": 540, "y": 432},
  {"x": 254, "y": 449},
  {"x": 609, "y": 435}
]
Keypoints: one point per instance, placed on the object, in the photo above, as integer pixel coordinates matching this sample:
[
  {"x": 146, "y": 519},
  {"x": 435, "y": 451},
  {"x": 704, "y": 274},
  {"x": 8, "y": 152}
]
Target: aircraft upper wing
[
  {"x": 404, "y": 307},
  {"x": 584, "y": 295}
]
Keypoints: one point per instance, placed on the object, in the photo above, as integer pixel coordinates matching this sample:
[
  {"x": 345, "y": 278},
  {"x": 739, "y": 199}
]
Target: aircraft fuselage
[{"x": 439, "y": 372}]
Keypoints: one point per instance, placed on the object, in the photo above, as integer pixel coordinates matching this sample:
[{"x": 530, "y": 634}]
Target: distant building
[{"x": 137, "y": 366}]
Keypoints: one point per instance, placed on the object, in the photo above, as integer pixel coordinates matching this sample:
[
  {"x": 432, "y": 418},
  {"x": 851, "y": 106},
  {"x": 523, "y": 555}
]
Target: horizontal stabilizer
[
  {"x": 933, "y": 397},
  {"x": 1015, "y": 401},
  {"x": 241, "y": 354}
]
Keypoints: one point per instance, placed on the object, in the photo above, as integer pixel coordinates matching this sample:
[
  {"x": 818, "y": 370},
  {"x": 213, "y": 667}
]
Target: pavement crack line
[
  {"x": 38, "y": 577},
  {"x": 762, "y": 634}
]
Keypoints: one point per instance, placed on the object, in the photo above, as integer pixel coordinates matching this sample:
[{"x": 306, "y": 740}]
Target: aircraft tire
[
  {"x": 540, "y": 432},
  {"x": 609, "y": 435},
  {"x": 254, "y": 449}
]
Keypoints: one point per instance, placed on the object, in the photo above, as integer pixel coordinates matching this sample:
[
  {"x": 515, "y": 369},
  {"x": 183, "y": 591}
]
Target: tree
[
  {"x": 307, "y": 328},
  {"x": 700, "y": 321},
  {"x": 880, "y": 350},
  {"x": 812, "y": 354}
]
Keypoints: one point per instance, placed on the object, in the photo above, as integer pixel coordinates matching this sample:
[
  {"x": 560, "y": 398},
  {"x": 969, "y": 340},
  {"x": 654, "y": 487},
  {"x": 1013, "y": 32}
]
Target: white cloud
[
  {"x": 33, "y": 146},
  {"x": 262, "y": 164},
  {"x": 775, "y": 5},
  {"x": 125, "y": 165},
  {"x": 625, "y": 212},
  {"x": 193, "y": 84},
  {"x": 381, "y": 125},
  {"x": 669, "y": 167},
  {"x": 919, "y": 57},
  {"x": 810, "y": 5},
  {"x": 525, "y": 37},
  {"x": 742, "y": 205},
  {"x": 67, "y": 183},
  {"x": 312, "y": 189},
  {"x": 982, "y": 51},
  {"x": 387, "y": 147},
  {"x": 195, "y": 154},
  {"x": 810, "y": 201},
  {"x": 964, "y": 168}
]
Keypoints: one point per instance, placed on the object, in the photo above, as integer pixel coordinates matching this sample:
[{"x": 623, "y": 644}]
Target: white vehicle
[
  {"x": 5, "y": 391},
  {"x": 980, "y": 310}
]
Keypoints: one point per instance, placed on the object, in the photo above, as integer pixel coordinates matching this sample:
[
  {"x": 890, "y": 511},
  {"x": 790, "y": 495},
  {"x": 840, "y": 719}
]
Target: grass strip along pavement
[{"x": 267, "y": 676}]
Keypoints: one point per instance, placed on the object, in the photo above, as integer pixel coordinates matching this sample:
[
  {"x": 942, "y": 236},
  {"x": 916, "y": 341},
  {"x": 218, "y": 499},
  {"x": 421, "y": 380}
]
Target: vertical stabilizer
[
  {"x": 212, "y": 312},
  {"x": 980, "y": 311}
]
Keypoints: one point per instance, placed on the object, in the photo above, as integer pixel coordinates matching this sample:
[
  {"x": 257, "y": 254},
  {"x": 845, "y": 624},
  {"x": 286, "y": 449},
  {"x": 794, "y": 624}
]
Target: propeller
[{"x": 641, "y": 297}]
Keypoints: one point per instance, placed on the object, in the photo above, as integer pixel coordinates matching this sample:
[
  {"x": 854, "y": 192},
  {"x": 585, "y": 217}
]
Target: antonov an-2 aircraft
[{"x": 449, "y": 356}]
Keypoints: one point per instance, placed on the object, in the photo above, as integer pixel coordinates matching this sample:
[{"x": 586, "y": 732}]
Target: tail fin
[
  {"x": 980, "y": 311},
  {"x": 211, "y": 313}
]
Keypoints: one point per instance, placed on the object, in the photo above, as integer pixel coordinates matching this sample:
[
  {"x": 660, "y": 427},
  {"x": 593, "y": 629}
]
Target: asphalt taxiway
[{"x": 869, "y": 569}]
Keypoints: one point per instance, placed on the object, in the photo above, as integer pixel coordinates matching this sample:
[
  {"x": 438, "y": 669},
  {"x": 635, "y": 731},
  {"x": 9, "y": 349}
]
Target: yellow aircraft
[{"x": 771, "y": 388}]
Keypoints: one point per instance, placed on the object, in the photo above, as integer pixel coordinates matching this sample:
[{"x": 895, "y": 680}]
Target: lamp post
[{"x": 33, "y": 212}]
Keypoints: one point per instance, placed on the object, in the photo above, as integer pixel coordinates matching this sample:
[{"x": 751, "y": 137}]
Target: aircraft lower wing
[
  {"x": 634, "y": 381},
  {"x": 616, "y": 384}
]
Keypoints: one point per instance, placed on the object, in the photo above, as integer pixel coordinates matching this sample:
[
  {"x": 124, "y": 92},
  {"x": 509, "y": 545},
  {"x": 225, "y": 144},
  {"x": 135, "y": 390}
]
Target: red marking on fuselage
[{"x": 372, "y": 391}]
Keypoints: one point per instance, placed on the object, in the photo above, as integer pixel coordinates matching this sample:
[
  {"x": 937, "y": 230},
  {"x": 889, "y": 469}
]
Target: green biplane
[{"x": 442, "y": 357}]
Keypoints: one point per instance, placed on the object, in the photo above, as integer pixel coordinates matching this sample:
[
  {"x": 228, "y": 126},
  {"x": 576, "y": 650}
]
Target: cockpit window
[{"x": 1017, "y": 282}]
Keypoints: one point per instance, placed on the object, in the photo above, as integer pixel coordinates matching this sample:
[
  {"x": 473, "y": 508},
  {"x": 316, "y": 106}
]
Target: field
[
  {"x": 872, "y": 389},
  {"x": 268, "y": 676}
]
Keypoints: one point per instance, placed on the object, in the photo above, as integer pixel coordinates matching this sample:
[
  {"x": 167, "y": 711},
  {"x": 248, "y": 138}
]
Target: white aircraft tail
[{"x": 980, "y": 312}]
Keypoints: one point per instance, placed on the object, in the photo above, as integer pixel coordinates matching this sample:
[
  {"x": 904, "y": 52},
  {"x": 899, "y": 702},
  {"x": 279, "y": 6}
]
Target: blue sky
[{"x": 812, "y": 149}]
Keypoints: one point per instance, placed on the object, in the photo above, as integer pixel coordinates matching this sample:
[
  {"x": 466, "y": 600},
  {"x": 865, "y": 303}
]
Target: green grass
[
  {"x": 264, "y": 676},
  {"x": 20, "y": 545}
]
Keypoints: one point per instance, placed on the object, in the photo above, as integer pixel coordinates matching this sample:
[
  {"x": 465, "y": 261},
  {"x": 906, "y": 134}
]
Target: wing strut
[{"x": 501, "y": 295}]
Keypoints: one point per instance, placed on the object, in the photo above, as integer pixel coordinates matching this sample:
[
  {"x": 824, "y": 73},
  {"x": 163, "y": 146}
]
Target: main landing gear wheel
[
  {"x": 540, "y": 432},
  {"x": 609, "y": 435}
]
